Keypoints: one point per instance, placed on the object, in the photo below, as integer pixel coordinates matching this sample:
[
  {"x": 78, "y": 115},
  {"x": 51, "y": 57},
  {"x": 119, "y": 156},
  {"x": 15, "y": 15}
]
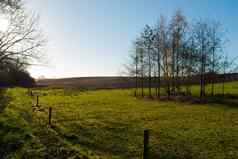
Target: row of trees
[
  {"x": 177, "y": 52},
  {"x": 21, "y": 43}
]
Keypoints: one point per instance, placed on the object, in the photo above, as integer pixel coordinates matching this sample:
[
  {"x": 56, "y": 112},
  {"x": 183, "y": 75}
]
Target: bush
[{"x": 15, "y": 77}]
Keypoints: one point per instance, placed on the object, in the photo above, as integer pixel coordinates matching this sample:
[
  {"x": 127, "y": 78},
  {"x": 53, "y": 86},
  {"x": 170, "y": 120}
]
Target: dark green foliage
[{"x": 15, "y": 77}]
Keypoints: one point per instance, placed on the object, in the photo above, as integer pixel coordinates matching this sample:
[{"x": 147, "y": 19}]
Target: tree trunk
[
  {"x": 213, "y": 71},
  {"x": 136, "y": 78},
  {"x": 158, "y": 82},
  {"x": 150, "y": 95}
]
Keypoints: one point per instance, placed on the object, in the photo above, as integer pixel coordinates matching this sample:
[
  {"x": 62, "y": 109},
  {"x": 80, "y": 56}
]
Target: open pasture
[{"x": 110, "y": 124}]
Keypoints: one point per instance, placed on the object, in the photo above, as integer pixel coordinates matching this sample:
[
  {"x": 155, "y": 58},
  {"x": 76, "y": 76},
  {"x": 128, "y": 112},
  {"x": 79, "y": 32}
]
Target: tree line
[
  {"x": 21, "y": 44},
  {"x": 173, "y": 53}
]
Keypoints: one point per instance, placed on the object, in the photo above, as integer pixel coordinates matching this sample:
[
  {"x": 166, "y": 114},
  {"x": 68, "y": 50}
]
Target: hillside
[
  {"x": 115, "y": 82},
  {"x": 87, "y": 82}
]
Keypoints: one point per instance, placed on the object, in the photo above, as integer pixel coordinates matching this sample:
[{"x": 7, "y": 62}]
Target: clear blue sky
[{"x": 94, "y": 37}]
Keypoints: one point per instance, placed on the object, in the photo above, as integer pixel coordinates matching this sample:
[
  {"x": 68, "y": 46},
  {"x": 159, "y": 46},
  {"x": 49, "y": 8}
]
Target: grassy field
[{"x": 110, "y": 124}]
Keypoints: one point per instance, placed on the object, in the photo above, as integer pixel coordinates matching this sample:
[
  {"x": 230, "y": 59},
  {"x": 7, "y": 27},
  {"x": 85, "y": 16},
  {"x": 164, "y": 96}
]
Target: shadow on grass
[
  {"x": 229, "y": 100},
  {"x": 4, "y": 99},
  {"x": 12, "y": 136},
  {"x": 8, "y": 142}
]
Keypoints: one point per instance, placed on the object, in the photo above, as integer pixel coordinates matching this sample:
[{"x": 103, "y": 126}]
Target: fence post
[
  {"x": 146, "y": 145},
  {"x": 37, "y": 100},
  {"x": 50, "y": 111}
]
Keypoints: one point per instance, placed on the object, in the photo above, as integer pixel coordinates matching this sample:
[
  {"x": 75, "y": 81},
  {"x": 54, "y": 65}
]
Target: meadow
[{"x": 109, "y": 123}]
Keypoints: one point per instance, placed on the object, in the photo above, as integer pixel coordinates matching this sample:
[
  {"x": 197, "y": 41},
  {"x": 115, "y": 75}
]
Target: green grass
[{"x": 110, "y": 124}]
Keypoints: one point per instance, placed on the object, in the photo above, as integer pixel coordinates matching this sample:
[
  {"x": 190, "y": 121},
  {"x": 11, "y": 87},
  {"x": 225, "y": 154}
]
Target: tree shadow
[
  {"x": 4, "y": 99},
  {"x": 230, "y": 100}
]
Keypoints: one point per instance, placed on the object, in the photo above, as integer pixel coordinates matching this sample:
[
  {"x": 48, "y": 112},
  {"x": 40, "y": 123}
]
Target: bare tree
[
  {"x": 224, "y": 75},
  {"x": 131, "y": 70},
  {"x": 135, "y": 67},
  {"x": 147, "y": 38},
  {"x": 216, "y": 47},
  {"x": 178, "y": 52},
  {"x": 200, "y": 33},
  {"x": 23, "y": 41},
  {"x": 190, "y": 62},
  {"x": 135, "y": 58},
  {"x": 178, "y": 27},
  {"x": 159, "y": 37},
  {"x": 136, "y": 61},
  {"x": 227, "y": 67}
]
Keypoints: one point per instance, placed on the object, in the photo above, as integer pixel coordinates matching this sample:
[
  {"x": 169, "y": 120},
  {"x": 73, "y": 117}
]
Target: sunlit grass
[{"x": 110, "y": 123}]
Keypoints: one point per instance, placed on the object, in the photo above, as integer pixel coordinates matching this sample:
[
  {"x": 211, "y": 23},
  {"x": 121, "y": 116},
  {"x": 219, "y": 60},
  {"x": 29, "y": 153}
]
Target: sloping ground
[{"x": 21, "y": 136}]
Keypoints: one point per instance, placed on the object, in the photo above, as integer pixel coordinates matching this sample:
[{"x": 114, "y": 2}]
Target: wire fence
[{"x": 93, "y": 134}]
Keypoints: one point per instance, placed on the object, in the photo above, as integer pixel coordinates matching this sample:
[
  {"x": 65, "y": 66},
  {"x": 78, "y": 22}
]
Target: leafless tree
[
  {"x": 200, "y": 33},
  {"x": 177, "y": 29},
  {"x": 22, "y": 43},
  {"x": 179, "y": 52},
  {"x": 159, "y": 37},
  {"x": 147, "y": 38},
  {"x": 216, "y": 48}
]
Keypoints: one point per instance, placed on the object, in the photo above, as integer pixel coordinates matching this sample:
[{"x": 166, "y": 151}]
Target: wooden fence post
[
  {"x": 50, "y": 112},
  {"x": 37, "y": 100},
  {"x": 146, "y": 145}
]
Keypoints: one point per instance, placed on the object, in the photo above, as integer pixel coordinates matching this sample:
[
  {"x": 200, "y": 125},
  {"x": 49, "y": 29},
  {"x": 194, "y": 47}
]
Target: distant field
[{"x": 110, "y": 124}]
